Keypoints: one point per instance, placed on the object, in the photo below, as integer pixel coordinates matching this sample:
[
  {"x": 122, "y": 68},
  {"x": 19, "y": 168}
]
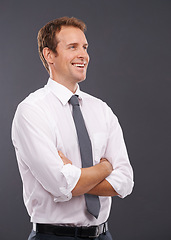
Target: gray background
[{"x": 129, "y": 69}]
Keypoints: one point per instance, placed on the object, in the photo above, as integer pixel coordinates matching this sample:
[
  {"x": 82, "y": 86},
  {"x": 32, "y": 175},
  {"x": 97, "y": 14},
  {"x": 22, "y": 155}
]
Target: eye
[
  {"x": 72, "y": 47},
  {"x": 85, "y": 47}
]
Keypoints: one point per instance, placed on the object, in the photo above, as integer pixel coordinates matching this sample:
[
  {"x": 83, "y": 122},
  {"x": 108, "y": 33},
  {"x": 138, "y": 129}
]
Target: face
[{"x": 71, "y": 61}]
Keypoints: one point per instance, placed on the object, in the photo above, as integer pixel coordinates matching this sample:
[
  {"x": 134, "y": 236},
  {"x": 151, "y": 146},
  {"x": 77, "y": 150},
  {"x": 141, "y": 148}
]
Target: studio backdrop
[{"x": 129, "y": 69}]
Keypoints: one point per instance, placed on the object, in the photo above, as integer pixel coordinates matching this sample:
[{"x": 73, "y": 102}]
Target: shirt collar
[{"x": 61, "y": 92}]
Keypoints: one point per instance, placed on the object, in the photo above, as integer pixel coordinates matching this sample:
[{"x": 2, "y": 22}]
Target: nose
[{"x": 82, "y": 54}]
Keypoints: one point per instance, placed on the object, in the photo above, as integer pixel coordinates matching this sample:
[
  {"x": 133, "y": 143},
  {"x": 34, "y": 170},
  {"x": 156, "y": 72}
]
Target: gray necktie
[{"x": 92, "y": 201}]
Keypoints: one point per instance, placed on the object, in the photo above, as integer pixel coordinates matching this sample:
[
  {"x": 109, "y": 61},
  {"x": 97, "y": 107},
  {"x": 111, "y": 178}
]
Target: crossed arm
[{"x": 92, "y": 179}]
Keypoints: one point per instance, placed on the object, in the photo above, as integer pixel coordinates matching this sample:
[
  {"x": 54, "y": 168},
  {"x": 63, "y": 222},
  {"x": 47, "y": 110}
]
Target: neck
[{"x": 72, "y": 86}]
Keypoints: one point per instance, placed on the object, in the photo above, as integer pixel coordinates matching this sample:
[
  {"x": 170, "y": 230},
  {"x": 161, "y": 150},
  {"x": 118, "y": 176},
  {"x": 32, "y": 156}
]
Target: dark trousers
[{"x": 40, "y": 236}]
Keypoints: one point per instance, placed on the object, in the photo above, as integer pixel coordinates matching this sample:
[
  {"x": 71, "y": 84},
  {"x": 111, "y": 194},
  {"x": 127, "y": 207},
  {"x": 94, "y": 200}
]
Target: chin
[{"x": 81, "y": 79}]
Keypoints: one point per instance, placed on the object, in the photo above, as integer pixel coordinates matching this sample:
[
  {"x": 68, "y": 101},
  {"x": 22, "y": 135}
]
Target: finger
[
  {"x": 103, "y": 159},
  {"x": 60, "y": 154}
]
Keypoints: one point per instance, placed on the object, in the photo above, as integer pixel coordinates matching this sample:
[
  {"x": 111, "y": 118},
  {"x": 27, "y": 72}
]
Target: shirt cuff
[
  {"x": 122, "y": 187},
  {"x": 72, "y": 175}
]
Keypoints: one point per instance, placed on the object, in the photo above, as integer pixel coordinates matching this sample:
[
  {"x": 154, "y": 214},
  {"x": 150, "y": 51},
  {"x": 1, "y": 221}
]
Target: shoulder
[
  {"x": 95, "y": 102},
  {"x": 92, "y": 99},
  {"x": 36, "y": 96},
  {"x": 33, "y": 102},
  {"x": 97, "y": 105}
]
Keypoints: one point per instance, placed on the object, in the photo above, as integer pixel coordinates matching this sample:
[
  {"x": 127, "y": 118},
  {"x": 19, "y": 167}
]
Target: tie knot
[{"x": 74, "y": 100}]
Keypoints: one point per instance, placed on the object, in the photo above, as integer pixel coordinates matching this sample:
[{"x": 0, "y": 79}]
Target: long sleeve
[
  {"x": 121, "y": 178},
  {"x": 36, "y": 151}
]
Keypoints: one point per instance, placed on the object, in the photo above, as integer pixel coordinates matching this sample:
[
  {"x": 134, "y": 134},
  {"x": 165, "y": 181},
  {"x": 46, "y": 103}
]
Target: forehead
[{"x": 70, "y": 34}]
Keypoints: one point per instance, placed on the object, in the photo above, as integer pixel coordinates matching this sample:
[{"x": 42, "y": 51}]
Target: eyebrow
[{"x": 86, "y": 44}]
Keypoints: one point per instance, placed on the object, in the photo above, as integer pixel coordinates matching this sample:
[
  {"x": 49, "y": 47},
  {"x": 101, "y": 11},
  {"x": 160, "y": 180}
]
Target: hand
[
  {"x": 64, "y": 159},
  {"x": 103, "y": 160},
  {"x": 107, "y": 164}
]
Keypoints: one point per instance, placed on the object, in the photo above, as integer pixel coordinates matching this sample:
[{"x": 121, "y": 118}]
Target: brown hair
[{"x": 47, "y": 35}]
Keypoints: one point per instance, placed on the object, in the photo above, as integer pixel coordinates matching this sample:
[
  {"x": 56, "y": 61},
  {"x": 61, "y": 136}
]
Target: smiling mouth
[{"x": 79, "y": 65}]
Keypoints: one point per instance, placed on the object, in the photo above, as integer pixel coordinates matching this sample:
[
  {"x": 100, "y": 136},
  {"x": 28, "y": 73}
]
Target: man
[{"x": 63, "y": 196}]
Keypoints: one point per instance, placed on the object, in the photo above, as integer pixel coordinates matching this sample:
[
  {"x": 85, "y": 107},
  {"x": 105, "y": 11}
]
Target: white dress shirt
[{"x": 42, "y": 125}]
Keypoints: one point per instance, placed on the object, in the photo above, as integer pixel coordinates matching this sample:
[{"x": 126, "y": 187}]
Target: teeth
[{"x": 78, "y": 65}]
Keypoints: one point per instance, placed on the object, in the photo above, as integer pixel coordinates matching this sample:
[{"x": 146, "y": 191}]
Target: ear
[{"x": 48, "y": 55}]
